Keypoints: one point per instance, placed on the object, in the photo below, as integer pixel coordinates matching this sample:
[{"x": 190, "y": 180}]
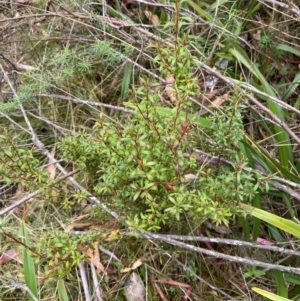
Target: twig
[
  {"x": 20, "y": 202},
  {"x": 33, "y": 194},
  {"x": 215, "y": 254},
  {"x": 229, "y": 242},
  {"x": 295, "y": 9},
  {"x": 19, "y": 285},
  {"x": 97, "y": 289},
  {"x": 201, "y": 156},
  {"x": 86, "y": 102},
  {"x": 231, "y": 82},
  {"x": 191, "y": 272},
  {"x": 247, "y": 87},
  {"x": 109, "y": 253},
  {"x": 52, "y": 125},
  {"x": 84, "y": 281},
  {"x": 158, "y": 289},
  {"x": 41, "y": 147}
]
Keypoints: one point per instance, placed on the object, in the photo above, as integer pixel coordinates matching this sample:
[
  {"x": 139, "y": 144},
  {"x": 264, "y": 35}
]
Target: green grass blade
[
  {"x": 277, "y": 221},
  {"x": 281, "y": 285},
  {"x": 62, "y": 293},
  {"x": 266, "y": 161},
  {"x": 269, "y": 295},
  {"x": 287, "y": 48},
  {"x": 292, "y": 278},
  {"x": 276, "y": 234},
  {"x": 292, "y": 87},
  {"x": 256, "y": 221},
  {"x": 246, "y": 228},
  {"x": 126, "y": 81},
  {"x": 28, "y": 264},
  {"x": 288, "y": 203},
  {"x": 282, "y": 138},
  {"x": 201, "y": 12}
]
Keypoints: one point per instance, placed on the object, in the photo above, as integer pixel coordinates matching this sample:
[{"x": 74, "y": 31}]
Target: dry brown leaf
[
  {"x": 173, "y": 282},
  {"x": 219, "y": 229},
  {"x": 187, "y": 287},
  {"x": 169, "y": 88},
  {"x": 134, "y": 266},
  {"x": 93, "y": 255},
  {"x": 78, "y": 225},
  {"x": 219, "y": 101},
  {"x": 9, "y": 255},
  {"x": 256, "y": 35},
  {"x": 158, "y": 289},
  {"x": 51, "y": 166},
  {"x": 211, "y": 94},
  {"x": 154, "y": 19}
]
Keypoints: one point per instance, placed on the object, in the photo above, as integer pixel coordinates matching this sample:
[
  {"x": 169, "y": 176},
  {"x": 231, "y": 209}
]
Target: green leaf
[
  {"x": 283, "y": 139},
  {"x": 202, "y": 13},
  {"x": 269, "y": 295},
  {"x": 287, "y": 48},
  {"x": 28, "y": 264},
  {"x": 281, "y": 285},
  {"x": 292, "y": 278},
  {"x": 292, "y": 87},
  {"x": 166, "y": 112},
  {"x": 266, "y": 161},
  {"x": 61, "y": 289},
  {"x": 277, "y": 221},
  {"x": 126, "y": 80}
]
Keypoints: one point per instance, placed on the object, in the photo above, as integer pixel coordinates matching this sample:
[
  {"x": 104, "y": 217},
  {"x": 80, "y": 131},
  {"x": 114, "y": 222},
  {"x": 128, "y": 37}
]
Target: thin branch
[
  {"x": 286, "y": 189},
  {"x": 191, "y": 272},
  {"x": 52, "y": 125},
  {"x": 86, "y": 102},
  {"x": 202, "y": 156},
  {"x": 215, "y": 254},
  {"x": 232, "y": 83},
  {"x": 97, "y": 292},
  {"x": 247, "y": 87},
  {"x": 15, "y": 123},
  {"x": 229, "y": 242},
  {"x": 20, "y": 202},
  {"x": 33, "y": 194},
  {"x": 84, "y": 281},
  {"x": 19, "y": 285},
  {"x": 295, "y": 9}
]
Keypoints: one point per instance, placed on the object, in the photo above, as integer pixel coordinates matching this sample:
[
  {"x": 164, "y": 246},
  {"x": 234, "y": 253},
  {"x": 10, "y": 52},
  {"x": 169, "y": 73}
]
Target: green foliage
[
  {"x": 254, "y": 271},
  {"x": 138, "y": 166},
  {"x": 61, "y": 252},
  {"x": 9, "y": 106},
  {"x": 145, "y": 166},
  {"x": 20, "y": 165},
  {"x": 228, "y": 125}
]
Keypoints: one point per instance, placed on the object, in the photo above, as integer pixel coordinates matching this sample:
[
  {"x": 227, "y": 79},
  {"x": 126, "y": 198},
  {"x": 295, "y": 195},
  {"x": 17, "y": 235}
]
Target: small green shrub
[
  {"x": 60, "y": 251},
  {"x": 138, "y": 166}
]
